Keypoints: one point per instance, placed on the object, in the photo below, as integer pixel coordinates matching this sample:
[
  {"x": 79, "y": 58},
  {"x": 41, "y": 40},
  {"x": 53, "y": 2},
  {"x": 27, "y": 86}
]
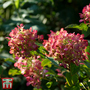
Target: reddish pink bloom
[
  {"x": 34, "y": 73},
  {"x": 85, "y": 15},
  {"x": 31, "y": 68},
  {"x": 66, "y": 48},
  {"x": 23, "y": 41}
]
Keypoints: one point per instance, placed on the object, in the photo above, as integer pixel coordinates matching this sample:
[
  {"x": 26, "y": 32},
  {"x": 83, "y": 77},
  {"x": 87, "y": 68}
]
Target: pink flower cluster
[
  {"x": 31, "y": 68},
  {"x": 65, "y": 47},
  {"x": 23, "y": 41},
  {"x": 85, "y": 15}
]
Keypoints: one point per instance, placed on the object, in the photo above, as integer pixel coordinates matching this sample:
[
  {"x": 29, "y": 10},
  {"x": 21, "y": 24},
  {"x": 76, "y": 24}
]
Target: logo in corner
[{"x": 7, "y": 83}]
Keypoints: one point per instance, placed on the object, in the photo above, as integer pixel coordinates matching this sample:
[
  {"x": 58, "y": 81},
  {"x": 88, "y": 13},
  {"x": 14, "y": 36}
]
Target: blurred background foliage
[{"x": 41, "y": 15}]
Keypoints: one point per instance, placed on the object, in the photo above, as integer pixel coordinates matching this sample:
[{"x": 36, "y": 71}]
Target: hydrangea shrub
[{"x": 45, "y": 63}]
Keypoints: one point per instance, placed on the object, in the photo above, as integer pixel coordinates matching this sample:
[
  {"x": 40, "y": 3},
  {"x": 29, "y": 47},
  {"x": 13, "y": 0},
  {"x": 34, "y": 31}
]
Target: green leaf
[
  {"x": 84, "y": 26},
  {"x": 88, "y": 82},
  {"x": 53, "y": 61},
  {"x": 74, "y": 26},
  {"x": 81, "y": 84},
  {"x": 88, "y": 50},
  {"x": 33, "y": 52},
  {"x": 10, "y": 60},
  {"x": 37, "y": 89},
  {"x": 14, "y": 72},
  {"x": 75, "y": 88},
  {"x": 39, "y": 44},
  {"x": 6, "y": 4},
  {"x": 86, "y": 32},
  {"x": 87, "y": 64},
  {"x": 42, "y": 50},
  {"x": 46, "y": 62},
  {"x": 17, "y": 3},
  {"x": 74, "y": 69},
  {"x": 13, "y": 56},
  {"x": 49, "y": 84},
  {"x": 75, "y": 79},
  {"x": 68, "y": 78}
]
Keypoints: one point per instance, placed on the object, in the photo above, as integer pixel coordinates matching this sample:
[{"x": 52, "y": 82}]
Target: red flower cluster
[
  {"x": 65, "y": 47},
  {"x": 31, "y": 68},
  {"x": 23, "y": 41},
  {"x": 85, "y": 15}
]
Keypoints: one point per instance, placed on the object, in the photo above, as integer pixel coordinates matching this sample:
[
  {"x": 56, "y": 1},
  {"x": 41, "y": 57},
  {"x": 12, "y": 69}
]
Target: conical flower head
[
  {"x": 22, "y": 41},
  {"x": 66, "y": 47}
]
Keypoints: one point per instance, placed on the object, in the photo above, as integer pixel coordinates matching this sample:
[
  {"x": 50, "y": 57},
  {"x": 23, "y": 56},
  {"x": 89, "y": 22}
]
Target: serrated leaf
[
  {"x": 46, "y": 62},
  {"x": 74, "y": 26}
]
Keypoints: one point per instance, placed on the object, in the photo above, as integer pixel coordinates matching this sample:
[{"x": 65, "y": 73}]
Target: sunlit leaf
[
  {"x": 46, "y": 62},
  {"x": 74, "y": 26},
  {"x": 17, "y": 3},
  {"x": 14, "y": 72},
  {"x": 6, "y": 4},
  {"x": 49, "y": 84}
]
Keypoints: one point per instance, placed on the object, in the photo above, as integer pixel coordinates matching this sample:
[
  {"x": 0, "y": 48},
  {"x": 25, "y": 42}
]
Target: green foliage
[
  {"x": 68, "y": 79},
  {"x": 14, "y": 72},
  {"x": 72, "y": 77},
  {"x": 74, "y": 69},
  {"x": 56, "y": 63},
  {"x": 74, "y": 26},
  {"x": 85, "y": 29},
  {"x": 49, "y": 84},
  {"x": 88, "y": 50},
  {"x": 46, "y": 62}
]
